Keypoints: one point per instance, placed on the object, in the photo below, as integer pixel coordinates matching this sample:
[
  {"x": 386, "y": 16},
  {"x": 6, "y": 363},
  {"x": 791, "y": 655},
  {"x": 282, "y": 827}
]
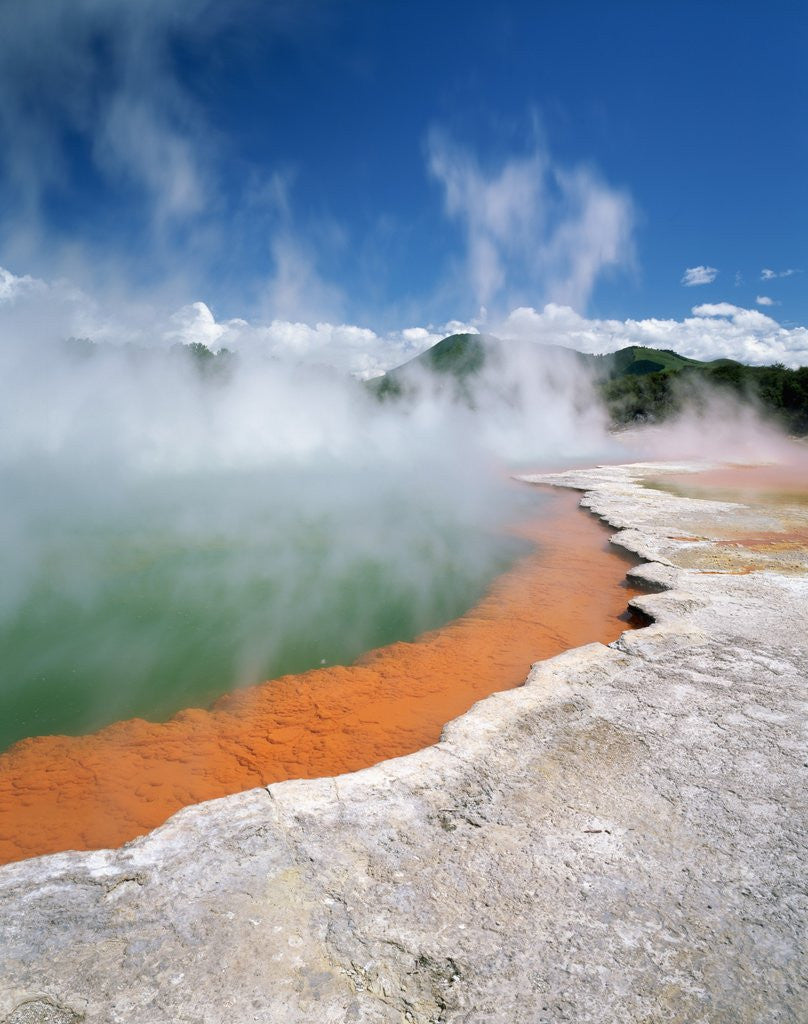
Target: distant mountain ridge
[
  {"x": 637, "y": 360},
  {"x": 637, "y": 384},
  {"x": 462, "y": 356}
]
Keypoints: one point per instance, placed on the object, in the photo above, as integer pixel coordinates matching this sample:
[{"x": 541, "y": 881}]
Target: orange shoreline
[{"x": 88, "y": 792}]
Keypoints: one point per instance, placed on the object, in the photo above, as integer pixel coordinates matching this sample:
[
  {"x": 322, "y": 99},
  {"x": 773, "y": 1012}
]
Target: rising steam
[{"x": 173, "y": 529}]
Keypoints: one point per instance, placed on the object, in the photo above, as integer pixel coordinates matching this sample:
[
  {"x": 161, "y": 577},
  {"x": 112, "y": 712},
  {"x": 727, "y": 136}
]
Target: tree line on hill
[
  {"x": 209, "y": 364},
  {"x": 780, "y": 393}
]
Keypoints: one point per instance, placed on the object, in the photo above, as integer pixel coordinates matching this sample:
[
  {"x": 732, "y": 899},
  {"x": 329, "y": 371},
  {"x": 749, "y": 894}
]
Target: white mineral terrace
[{"x": 623, "y": 839}]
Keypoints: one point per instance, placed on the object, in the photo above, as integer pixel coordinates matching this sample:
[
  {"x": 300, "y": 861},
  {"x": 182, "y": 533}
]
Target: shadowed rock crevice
[{"x": 43, "y": 1011}]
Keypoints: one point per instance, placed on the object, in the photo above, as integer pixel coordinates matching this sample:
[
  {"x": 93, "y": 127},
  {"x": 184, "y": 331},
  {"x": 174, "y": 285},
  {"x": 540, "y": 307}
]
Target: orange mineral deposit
[
  {"x": 774, "y": 484},
  {"x": 60, "y": 793}
]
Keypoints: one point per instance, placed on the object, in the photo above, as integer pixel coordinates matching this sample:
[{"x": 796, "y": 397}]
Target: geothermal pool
[
  {"x": 155, "y": 596},
  {"x": 566, "y": 587}
]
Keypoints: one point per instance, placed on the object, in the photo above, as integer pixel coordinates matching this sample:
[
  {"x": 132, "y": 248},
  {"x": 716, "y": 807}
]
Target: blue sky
[{"x": 389, "y": 164}]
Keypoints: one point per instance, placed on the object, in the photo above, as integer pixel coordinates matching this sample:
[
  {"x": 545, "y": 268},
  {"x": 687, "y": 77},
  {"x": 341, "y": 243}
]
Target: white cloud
[
  {"x": 699, "y": 275},
  {"x": 44, "y": 312},
  {"x": 764, "y": 300},
  {"x": 719, "y": 330},
  {"x": 532, "y": 226},
  {"x": 715, "y": 309},
  {"x": 12, "y": 286},
  {"x": 349, "y": 348},
  {"x": 195, "y": 323},
  {"x": 38, "y": 311},
  {"x": 41, "y": 311},
  {"x": 769, "y": 275}
]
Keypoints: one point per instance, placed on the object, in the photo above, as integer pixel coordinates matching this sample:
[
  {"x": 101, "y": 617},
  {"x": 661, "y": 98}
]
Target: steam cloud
[
  {"x": 161, "y": 519},
  {"x": 533, "y": 224},
  {"x": 172, "y": 528}
]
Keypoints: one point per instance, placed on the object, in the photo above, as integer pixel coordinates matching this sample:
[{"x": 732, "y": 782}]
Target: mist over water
[
  {"x": 163, "y": 597},
  {"x": 169, "y": 534},
  {"x": 171, "y": 529}
]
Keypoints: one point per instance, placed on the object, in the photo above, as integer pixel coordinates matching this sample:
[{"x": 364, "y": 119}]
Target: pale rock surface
[{"x": 621, "y": 840}]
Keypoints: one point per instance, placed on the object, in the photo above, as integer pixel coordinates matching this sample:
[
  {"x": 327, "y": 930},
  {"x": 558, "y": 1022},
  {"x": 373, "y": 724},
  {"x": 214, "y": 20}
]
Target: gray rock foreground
[{"x": 623, "y": 839}]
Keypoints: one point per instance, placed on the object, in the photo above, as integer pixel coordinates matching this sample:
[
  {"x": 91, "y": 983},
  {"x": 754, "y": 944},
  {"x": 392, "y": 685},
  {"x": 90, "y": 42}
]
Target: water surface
[
  {"x": 157, "y": 594},
  {"x": 80, "y": 793}
]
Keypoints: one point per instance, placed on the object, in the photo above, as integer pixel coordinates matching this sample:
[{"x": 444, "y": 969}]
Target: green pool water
[{"x": 163, "y": 597}]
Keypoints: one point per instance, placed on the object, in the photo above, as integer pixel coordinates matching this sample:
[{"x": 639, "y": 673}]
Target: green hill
[
  {"x": 637, "y": 361},
  {"x": 461, "y": 356},
  {"x": 637, "y": 384},
  {"x": 454, "y": 359}
]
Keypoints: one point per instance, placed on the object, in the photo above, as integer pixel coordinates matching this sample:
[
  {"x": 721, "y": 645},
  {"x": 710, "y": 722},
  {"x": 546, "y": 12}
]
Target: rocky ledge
[{"x": 621, "y": 839}]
